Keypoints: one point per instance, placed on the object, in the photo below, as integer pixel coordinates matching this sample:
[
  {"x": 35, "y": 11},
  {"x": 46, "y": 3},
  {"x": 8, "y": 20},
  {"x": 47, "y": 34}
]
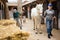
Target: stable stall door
[
  {"x": 58, "y": 6},
  {"x": 59, "y": 21}
]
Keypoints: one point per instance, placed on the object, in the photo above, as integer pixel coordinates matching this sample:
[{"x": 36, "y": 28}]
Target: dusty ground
[{"x": 28, "y": 26}]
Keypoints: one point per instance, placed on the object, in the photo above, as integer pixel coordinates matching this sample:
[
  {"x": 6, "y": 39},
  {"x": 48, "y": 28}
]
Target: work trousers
[
  {"x": 49, "y": 24},
  {"x": 18, "y": 21}
]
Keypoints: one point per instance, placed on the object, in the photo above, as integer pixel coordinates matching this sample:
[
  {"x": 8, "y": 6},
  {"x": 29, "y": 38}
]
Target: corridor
[{"x": 28, "y": 26}]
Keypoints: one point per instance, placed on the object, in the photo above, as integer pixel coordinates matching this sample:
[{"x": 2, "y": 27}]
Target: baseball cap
[{"x": 50, "y": 4}]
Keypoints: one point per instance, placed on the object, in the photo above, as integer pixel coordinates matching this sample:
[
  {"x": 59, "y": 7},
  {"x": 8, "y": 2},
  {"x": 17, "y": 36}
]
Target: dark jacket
[{"x": 16, "y": 15}]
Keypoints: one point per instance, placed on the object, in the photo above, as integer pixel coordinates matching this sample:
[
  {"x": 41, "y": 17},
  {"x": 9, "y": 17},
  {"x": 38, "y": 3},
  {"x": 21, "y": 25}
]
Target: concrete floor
[{"x": 28, "y": 26}]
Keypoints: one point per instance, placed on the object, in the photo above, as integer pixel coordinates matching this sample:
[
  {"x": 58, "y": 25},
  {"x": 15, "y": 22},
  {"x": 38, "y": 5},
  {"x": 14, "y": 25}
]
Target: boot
[
  {"x": 36, "y": 32},
  {"x": 40, "y": 32},
  {"x": 34, "y": 29},
  {"x": 49, "y": 36}
]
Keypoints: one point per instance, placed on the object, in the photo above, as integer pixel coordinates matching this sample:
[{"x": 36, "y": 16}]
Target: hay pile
[
  {"x": 7, "y": 22},
  {"x": 9, "y": 31}
]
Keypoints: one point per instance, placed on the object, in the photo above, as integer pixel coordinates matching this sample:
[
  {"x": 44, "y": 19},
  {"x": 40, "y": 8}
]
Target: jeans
[
  {"x": 49, "y": 25},
  {"x": 19, "y": 22}
]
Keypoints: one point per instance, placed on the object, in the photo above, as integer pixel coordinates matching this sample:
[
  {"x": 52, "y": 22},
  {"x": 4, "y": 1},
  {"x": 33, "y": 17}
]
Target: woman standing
[{"x": 49, "y": 14}]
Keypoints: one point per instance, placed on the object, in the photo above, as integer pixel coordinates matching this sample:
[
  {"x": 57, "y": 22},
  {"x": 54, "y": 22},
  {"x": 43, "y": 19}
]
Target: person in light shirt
[
  {"x": 34, "y": 12},
  {"x": 50, "y": 16},
  {"x": 33, "y": 15}
]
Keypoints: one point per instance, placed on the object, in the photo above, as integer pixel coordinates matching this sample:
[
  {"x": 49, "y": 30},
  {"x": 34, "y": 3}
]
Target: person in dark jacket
[
  {"x": 17, "y": 18},
  {"x": 49, "y": 14}
]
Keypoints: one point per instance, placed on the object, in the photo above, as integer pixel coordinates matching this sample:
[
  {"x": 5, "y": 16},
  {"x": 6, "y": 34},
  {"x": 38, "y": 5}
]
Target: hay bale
[
  {"x": 9, "y": 31},
  {"x": 25, "y": 34},
  {"x": 7, "y": 22}
]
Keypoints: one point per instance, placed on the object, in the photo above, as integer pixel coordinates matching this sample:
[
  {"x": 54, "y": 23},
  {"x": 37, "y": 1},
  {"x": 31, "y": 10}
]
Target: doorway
[
  {"x": 2, "y": 14},
  {"x": 58, "y": 6},
  {"x": 56, "y": 14}
]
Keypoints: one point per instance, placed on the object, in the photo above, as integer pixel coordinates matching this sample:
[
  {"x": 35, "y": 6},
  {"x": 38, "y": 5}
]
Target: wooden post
[
  {"x": 20, "y": 6},
  {"x": 6, "y": 9},
  {"x": 28, "y": 8}
]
